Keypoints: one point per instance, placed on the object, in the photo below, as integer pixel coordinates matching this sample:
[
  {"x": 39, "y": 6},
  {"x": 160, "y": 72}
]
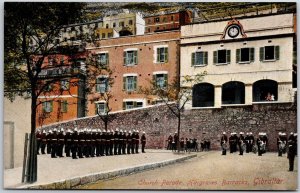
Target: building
[
  {"x": 248, "y": 60},
  {"x": 125, "y": 23},
  {"x": 167, "y": 21},
  {"x": 135, "y": 61}
]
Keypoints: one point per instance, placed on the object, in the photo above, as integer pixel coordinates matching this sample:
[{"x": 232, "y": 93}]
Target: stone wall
[{"x": 158, "y": 122}]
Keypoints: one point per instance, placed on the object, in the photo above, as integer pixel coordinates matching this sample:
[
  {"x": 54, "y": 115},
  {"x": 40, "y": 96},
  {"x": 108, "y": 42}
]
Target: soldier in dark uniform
[
  {"x": 107, "y": 143},
  {"x": 93, "y": 142},
  {"x": 97, "y": 142},
  {"x": 102, "y": 142},
  {"x": 137, "y": 141},
  {"x": 124, "y": 137},
  {"x": 44, "y": 142},
  {"x": 116, "y": 141},
  {"x": 61, "y": 142},
  {"x": 247, "y": 142},
  {"x": 81, "y": 143},
  {"x": 68, "y": 142},
  {"x": 176, "y": 141},
  {"x": 260, "y": 144},
  {"x": 241, "y": 143},
  {"x": 120, "y": 144},
  {"x": 128, "y": 142},
  {"x": 170, "y": 139},
  {"x": 251, "y": 141},
  {"x": 223, "y": 142},
  {"x": 38, "y": 136},
  {"x": 231, "y": 142},
  {"x": 88, "y": 140},
  {"x": 112, "y": 141},
  {"x": 74, "y": 144},
  {"x": 48, "y": 141},
  {"x": 54, "y": 143},
  {"x": 265, "y": 140},
  {"x": 133, "y": 136},
  {"x": 292, "y": 148},
  {"x": 143, "y": 142}
]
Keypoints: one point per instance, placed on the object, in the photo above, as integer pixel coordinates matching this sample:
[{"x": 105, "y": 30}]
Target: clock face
[{"x": 233, "y": 31}]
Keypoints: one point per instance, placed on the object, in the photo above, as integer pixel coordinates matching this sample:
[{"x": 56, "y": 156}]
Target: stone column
[
  {"x": 248, "y": 94},
  {"x": 218, "y": 96}
]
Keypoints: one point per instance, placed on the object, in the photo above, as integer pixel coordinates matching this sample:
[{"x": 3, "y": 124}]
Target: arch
[
  {"x": 203, "y": 95},
  {"x": 233, "y": 92},
  {"x": 262, "y": 88}
]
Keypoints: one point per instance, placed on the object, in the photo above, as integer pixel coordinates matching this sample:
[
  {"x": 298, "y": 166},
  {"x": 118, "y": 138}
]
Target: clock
[{"x": 233, "y": 31}]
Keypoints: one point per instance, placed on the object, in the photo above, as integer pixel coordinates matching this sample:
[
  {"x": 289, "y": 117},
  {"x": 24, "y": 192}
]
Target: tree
[
  {"x": 30, "y": 29},
  {"x": 178, "y": 92}
]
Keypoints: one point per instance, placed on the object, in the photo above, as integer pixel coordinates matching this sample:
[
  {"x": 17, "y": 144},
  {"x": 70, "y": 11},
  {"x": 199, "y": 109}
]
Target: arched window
[
  {"x": 265, "y": 90},
  {"x": 203, "y": 95},
  {"x": 233, "y": 93}
]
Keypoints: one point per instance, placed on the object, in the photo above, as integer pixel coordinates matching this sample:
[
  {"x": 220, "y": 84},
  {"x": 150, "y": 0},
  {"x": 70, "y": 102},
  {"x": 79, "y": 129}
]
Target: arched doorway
[
  {"x": 203, "y": 95},
  {"x": 263, "y": 88},
  {"x": 233, "y": 92}
]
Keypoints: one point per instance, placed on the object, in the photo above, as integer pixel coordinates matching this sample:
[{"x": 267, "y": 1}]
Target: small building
[
  {"x": 167, "y": 21},
  {"x": 248, "y": 60}
]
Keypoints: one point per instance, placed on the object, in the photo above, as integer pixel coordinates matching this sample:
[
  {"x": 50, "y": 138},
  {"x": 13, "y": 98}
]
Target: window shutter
[
  {"x": 106, "y": 85},
  {"x": 135, "y": 57},
  {"x": 261, "y": 53},
  {"x": 251, "y": 54},
  {"x": 51, "y": 106},
  {"x": 96, "y": 108},
  {"x": 134, "y": 82},
  {"x": 124, "y": 83},
  {"x": 277, "y": 50},
  {"x": 44, "y": 106},
  {"x": 238, "y": 57},
  {"x": 107, "y": 58},
  {"x": 165, "y": 80},
  {"x": 124, "y": 56},
  {"x": 166, "y": 55},
  {"x": 193, "y": 58},
  {"x": 215, "y": 57},
  {"x": 228, "y": 59},
  {"x": 97, "y": 85},
  {"x": 158, "y": 55},
  {"x": 124, "y": 105},
  {"x": 154, "y": 79},
  {"x": 205, "y": 58}
]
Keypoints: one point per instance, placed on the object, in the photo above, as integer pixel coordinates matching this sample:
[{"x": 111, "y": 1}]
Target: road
[{"x": 212, "y": 171}]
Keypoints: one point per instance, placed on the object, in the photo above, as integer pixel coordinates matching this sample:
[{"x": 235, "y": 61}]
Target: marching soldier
[
  {"x": 54, "y": 143},
  {"x": 44, "y": 142},
  {"x": 124, "y": 137},
  {"x": 38, "y": 136},
  {"x": 68, "y": 142},
  {"x": 112, "y": 141},
  {"x": 61, "y": 142},
  {"x": 224, "y": 143},
  {"x": 120, "y": 144},
  {"x": 81, "y": 143},
  {"x": 241, "y": 143},
  {"x": 133, "y": 141},
  {"x": 292, "y": 148},
  {"x": 143, "y": 141},
  {"x": 48, "y": 141},
  {"x": 74, "y": 144},
  {"x": 129, "y": 142},
  {"x": 116, "y": 141},
  {"x": 137, "y": 141}
]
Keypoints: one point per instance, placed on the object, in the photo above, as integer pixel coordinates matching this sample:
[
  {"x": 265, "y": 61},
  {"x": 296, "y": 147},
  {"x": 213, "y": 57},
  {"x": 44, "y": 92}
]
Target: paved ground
[
  {"x": 212, "y": 172},
  {"x": 53, "y": 170}
]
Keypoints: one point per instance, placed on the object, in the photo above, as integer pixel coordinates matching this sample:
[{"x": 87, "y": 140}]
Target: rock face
[{"x": 158, "y": 122}]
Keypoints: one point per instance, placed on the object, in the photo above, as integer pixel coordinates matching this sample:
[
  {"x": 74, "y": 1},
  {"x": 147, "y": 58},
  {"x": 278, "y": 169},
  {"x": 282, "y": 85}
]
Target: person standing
[
  {"x": 224, "y": 140},
  {"x": 170, "y": 139},
  {"x": 241, "y": 143},
  {"x": 128, "y": 142},
  {"x": 68, "y": 141},
  {"x": 44, "y": 142},
  {"x": 231, "y": 142},
  {"x": 74, "y": 144},
  {"x": 54, "y": 144},
  {"x": 143, "y": 142},
  {"x": 292, "y": 148},
  {"x": 260, "y": 144},
  {"x": 38, "y": 137},
  {"x": 251, "y": 142}
]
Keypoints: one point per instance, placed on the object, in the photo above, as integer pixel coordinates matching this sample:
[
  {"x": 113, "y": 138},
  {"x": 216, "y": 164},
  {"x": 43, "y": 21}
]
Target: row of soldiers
[{"x": 89, "y": 142}]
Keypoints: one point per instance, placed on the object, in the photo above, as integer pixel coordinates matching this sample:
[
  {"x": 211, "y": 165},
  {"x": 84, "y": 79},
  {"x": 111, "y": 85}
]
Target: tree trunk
[
  {"x": 178, "y": 131},
  {"x": 32, "y": 156},
  {"x": 105, "y": 124}
]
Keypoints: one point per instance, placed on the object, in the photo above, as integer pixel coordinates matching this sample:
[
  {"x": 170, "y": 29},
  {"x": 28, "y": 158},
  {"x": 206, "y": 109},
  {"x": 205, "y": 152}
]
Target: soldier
[
  {"x": 170, "y": 139},
  {"x": 231, "y": 142},
  {"x": 97, "y": 142},
  {"x": 120, "y": 144},
  {"x": 87, "y": 137},
  {"x": 81, "y": 143},
  {"x": 48, "y": 141},
  {"x": 74, "y": 144},
  {"x": 251, "y": 142},
  {"x": 124, "y": 136},
  {"x": 265, "y": 140},
  {"x": 44, "y": 142},
  {"x": 38, "y": 136},
  {"x": 68, "y": 142},
  {"x": 133, "y": 136},
  {"x": 129, "y": 139},
  {"x": 102, "y": 143},
  {"x": 260, "y": 144},
  {"x": 93, "y": 142},
  {"x": 247, "y": 142},
  {"x": 176, "y": 141},
  {"x": 107, "y": 142},
  {"x": 143, "y": 141},
  {"x": 112, "y": 141},
  {"x": 224, "y": 143},
  {"x": 137, "y": 141},
  {"x": 241, "y": 143},
  {"x": 292, "y": 148},
  {"x": 54, "y": 143},
  {"x": 116, "y": 141}
]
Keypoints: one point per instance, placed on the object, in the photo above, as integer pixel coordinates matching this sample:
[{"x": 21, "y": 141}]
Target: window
[
  {"x": 130, "y": 83},
  {"x": 64, "y": 84},
  {"x": 245, "y": 55},
  {"x": 156, "y": 19},
  {"x": 132, "y": 105},
  {"x": 161, "y": 80},
  {"x": 109, "y": 35},
  {"x": 102, "y": 60},
  {"x": 101, "y": 108},
  {"x": 130, "y": 58},
  {"x": 47, "y": 106},
  {"x": 203, "y": 95},
  {"x": 106, "y": 26},
  {"x": 102, "y": 84},
  {"x": 149, "y": 21},
  {"x": 222, "y": 57},
  {"x": 269, "y": 53},
  {"x": 130, "y": 22},
  {"x": 103, "y": 35},
  {"x": 172, "y": 18},
  {"x": 114, "y": 24},
  {"x": 48, "y": 84},
  {"x": 199, "y": 58},
  {"x": 64, "y": 106},
  {"x": 121, "y": 24},
  {"x": 162, "y": 55},
  {"x": 149, "y": 30}
]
